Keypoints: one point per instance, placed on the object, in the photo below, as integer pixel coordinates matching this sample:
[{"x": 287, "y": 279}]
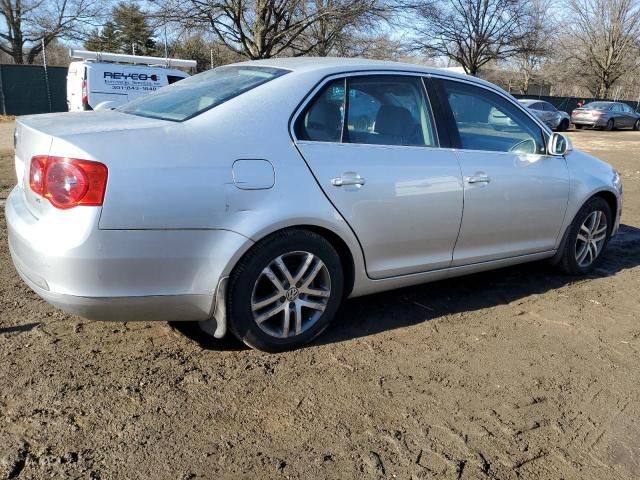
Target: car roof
[{"x": 335, "y": 65}]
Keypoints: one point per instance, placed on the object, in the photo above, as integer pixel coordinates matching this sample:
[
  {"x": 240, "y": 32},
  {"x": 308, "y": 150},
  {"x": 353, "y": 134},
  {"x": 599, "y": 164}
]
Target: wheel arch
[
  {"x": 607, "y": 196},
  {"x": 345, "y": 254}
]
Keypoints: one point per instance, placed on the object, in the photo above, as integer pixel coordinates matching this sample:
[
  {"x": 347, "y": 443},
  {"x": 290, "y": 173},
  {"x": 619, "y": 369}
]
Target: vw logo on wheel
[{"x": 292, "y": 294}]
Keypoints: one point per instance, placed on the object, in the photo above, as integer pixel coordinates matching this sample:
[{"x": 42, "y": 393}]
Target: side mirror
[
  {"x": 107, "y": 105},
  {"x": 558, "y": 145}
]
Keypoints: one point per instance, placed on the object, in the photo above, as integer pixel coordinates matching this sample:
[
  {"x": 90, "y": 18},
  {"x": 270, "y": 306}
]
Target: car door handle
[
  {"x": 350, "y": 180},
  {"x": 478, "y": 179}
]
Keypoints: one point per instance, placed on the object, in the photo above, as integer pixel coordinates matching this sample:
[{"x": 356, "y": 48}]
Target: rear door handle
[
  {"x": 348, "y": 180},
  {"x": 478, "y": 178}
]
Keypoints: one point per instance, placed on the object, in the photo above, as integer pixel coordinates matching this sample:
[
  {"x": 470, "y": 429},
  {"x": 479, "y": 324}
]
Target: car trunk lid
[{"x": 36, "y": 134}]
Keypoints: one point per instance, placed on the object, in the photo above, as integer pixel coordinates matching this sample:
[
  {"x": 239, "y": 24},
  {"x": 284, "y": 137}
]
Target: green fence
[{"x": 28, "y": 89}]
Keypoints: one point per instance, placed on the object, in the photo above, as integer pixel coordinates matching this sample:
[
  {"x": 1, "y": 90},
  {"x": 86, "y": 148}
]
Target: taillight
[
  {"x": 36, "y": 174},
  {"x": 68, "y": 182},
  {"x": 85, "y": 96}
]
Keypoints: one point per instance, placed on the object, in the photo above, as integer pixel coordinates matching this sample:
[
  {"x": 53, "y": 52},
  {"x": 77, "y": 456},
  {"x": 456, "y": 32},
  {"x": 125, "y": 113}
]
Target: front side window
[
  {"x": 381, "y": 110},
  {"x": 548, "y": 107},
  {"x": 194, "y": 95},
  {"x": 487, "y": 121}
]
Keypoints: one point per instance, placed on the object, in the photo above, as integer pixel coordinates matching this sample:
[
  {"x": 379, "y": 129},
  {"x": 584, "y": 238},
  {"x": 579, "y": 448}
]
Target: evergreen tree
[
  {"x": 134, "y": 32},
  {"x": 106, "y": 40},
  {"x": 128, "y": 32}
]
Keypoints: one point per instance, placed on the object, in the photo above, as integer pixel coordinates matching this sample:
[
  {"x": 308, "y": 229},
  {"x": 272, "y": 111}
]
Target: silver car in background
[
  {"x": 258, "y": 196},
  {"x": 606, "y": 115},
  {"x": 552, "y": 117}
]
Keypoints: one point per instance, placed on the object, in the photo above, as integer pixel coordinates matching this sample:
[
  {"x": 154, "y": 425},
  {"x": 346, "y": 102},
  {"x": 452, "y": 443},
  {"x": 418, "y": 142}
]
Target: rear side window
[
  {"x": 322, "y": 121},
  {"x": 487, "y": 121},
  {"x": 174, "y": 78},
  {"x": 195, "y": 95}
]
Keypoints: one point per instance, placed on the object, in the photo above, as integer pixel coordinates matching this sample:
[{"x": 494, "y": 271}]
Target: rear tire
[
  {"x": 285, "y": 291},
  {"x": 579, "y": 127},
  {"x": 586, "y": 238},
  {"x": 610, "y": 125}
]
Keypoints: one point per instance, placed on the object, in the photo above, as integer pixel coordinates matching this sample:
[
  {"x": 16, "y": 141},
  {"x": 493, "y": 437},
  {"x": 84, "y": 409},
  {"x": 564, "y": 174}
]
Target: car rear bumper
[
  {"x": 121, "y": 275},
  {"x": 589, "y": 123}
]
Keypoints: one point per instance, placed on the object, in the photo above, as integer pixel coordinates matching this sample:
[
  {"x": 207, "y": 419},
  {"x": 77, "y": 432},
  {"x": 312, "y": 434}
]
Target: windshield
[
  {"x": 598, "y": 106},
  {"x": 194, "y": 95}
]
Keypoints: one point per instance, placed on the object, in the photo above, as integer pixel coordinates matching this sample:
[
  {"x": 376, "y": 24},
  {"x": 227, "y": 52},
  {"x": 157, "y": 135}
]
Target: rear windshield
[
  {"x": 598, "y": 106},
  {"x": 194, "y": 95}
]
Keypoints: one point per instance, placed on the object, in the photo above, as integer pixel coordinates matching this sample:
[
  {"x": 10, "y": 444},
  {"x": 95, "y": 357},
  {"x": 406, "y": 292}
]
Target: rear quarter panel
[{"x": 180, "y": 176}]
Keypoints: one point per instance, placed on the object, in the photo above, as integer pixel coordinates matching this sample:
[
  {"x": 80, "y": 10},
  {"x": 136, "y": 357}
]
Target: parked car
[
  {"x": 552, "y": 117},
  {"x": 607, "y": 115},
  {"x": 248, "y": 197},
  {"x": 500, "y": 121}
]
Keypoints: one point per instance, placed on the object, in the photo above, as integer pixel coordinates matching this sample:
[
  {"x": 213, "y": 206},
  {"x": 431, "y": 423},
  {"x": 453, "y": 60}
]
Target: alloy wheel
[
  {"x": 591, "y": 238},
  {"x": 290, "y": 294}
]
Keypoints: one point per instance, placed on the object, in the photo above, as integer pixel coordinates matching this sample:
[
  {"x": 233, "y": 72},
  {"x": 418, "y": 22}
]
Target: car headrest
[
  {"x": 324, "y": 116},
  {"x": 393, "y": 120}
]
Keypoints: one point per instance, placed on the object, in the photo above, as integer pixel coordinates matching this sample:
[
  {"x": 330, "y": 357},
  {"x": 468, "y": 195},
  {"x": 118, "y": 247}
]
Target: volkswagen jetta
[{"x": 258, "y": 196}]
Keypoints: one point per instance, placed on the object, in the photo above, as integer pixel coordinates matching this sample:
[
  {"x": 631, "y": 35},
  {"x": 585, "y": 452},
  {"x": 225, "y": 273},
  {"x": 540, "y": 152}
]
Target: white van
[{"x": 97, "y": 82}]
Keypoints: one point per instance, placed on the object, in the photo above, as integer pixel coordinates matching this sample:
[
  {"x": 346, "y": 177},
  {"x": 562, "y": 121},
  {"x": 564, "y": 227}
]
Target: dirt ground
[{"x": 517, "y": 373}]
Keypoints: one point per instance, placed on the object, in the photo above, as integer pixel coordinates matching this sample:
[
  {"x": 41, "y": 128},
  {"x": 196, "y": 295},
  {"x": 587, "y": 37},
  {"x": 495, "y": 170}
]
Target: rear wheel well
[{"x": 346, "y": 259}]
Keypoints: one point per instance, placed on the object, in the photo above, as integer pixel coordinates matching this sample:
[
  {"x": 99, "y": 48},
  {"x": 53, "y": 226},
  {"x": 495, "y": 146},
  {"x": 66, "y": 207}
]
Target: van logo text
[{"x": 130, "y": 76}]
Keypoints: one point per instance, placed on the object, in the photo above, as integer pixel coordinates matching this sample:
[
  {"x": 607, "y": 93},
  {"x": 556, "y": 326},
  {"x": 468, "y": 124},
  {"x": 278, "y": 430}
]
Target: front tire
[
  {"x": 285, "y": 291},
  {"x": 636, "y": 126},
  {"x": 564, "y": 125},
  {"x": 579, "y": 127},
  {"x": 587, "y": 237}
]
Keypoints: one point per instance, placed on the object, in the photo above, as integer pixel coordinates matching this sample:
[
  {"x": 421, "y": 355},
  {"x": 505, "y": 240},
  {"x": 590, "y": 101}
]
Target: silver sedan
[
  {"x": 607, "y": 115},
  {"x": 256, "y": 197},
  {"x": 552, "y": 117}
]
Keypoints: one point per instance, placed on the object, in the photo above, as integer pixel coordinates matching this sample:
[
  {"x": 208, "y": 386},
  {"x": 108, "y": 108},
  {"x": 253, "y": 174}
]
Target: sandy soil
[{"x": 517, "y": 373}]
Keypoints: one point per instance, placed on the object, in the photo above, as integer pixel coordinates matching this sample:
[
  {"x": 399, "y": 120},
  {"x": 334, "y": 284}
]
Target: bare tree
[
  {"x": 377, "y": 47},
  {"x": 28, "y": 24},
  {"x": 606, "y": 33},
  {"x": 470, "y": 32},
  {"x": 259, "y": 28},
  {"x": 332, "y": 33},
  {"x": 534, "y": 45}
]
